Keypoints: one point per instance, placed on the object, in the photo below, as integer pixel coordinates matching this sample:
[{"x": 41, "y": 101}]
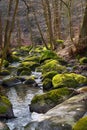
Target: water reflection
[{"x": 20, "y": 96}]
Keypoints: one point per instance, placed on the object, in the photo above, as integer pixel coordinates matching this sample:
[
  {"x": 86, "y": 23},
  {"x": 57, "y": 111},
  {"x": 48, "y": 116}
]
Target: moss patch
[
  {"x": 68, "y": 80},
  {"x": 23, "y": 71},
  {"x": 55, "y": 96},
  {"x": 48, "y": 54},
  {"x": 4, "y": 104},
  {"x": 47, "y": 84},
  {"x": 4, "y": 72},
  {"x": 49, "y": 75},
  {"x": 53, "y": 65},
  {"x": 29, "y": 64},
  {"x": 81, "y": 124},
  {"x": 83, "y": 60}
]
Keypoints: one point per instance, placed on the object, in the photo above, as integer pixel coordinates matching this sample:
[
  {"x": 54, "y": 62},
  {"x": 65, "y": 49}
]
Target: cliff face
[{"x": 77, "y": 15}]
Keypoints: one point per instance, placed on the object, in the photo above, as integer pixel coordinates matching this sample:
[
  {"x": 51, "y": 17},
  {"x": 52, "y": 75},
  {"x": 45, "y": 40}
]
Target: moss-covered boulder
[
  {"x": 5, "y": 63},
  {"x": 33, "y": 58},
  {"x": 42, "y": 103},
  {"x": 31, "y": 82},
  {"x": 81, "y": 124},
  {"x": 71, "y": 80},
  {"x": 23, "y": 71},
  {"x": 47, "y": 84},
  {"x": 11, "y": 82},
  {"x": 13, "y": 58},
  {"x": 3, "y": 126},
  {"x": 53, "y": 65},
  {"x": 5, "y": 108},
  {"x": 4, "y": 72},
  {"x": 83, "y": 60},
  {"x": 29, "y": 64},
  {"x": 49, "y": 75},
  {"x": 48, "y": 54}
]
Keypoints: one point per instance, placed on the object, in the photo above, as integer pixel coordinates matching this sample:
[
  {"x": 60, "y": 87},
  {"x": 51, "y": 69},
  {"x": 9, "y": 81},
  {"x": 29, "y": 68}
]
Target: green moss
[
  {"x": 47, "y": 84},
  {"x": 5, "y": 100},
  {"x": 59, "y": 41},
  {"x": 13, "y": 58},
  {"x": 23, "y": 71},
  {"x": 53, "y": 65},
  {"x": 29, "y": 64},
  {"x": 6, "y": 63},
  {"x": 81, "y": 124},
  {"x": 4, "y": 104},
  {"x": 48, "y": 54},
  {"x": 68, "y": 80},
  {"x": 49, "y": 75},
  {"x": 55, "y": 96},
  {"x": 83, "y": 60},
  {"x": 33, "y": 58},
  {"x": 4, "y": 72}
]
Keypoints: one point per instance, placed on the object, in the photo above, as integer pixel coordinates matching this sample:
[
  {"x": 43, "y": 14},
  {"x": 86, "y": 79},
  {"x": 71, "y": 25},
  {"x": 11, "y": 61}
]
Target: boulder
[
  {"x": 11, "y": 82},
  {"x": 47, "y": 84},
  {"x": 62, "y": 116},
  {"x": 4, "y": 72},
  {"x": 31, "y": 82},
  {"x": 43, "y": 102},
  {"x": 23, "y": 71},
  {"x": 5, "y": 108},
  {"x": 52, "y": 65},
  {"x": 70, "y": 80}
]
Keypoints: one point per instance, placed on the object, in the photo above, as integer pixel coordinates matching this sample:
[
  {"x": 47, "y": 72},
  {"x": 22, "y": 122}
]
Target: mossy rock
[
  {"x": 4, "y": 104},
  {"x": 33, "y": 58},
  {"x": 5, "y": 108},
  {"x": 49, "y": 75},
  {"x": 53, "y": 65},
  {"x": 43, "y": 102},
  {"x": 5, "y": 63},
  {"x": 13, "y": 58},
  {"x": 47, "y": 84},
  {"x": 83, "y": 60},
  {"x": 29, "y": 64},
  {"x": 81, "y": 124},
  {"x": 71, "y": 80},
  {"x": 31, "y": 82},
  {"x": 4, "y": 72},
  {"x": 11, "y": 82},
  {"x": 48, "y": 54},
  {"x": 23, "y": 71}
]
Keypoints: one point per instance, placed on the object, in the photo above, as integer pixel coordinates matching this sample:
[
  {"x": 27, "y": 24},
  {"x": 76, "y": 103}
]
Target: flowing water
[{"x": 20, "y": 97}]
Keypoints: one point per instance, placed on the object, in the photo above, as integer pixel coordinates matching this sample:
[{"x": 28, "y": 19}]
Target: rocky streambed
[{"x": 40, "y": 90}]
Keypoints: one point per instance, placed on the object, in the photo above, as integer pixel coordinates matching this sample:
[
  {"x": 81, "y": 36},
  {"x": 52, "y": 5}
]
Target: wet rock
[
  {"x": 4, "y": 72},
  {"x": 31, "y": 82},
  {"x": 5, "y": 108},
  {"x": 11, "y": 82},
  {"x": 47, "y": 84},
  {"x": 43, "y": 102},
  {"x": 63, "y": 116},
  {"x": 3, "y": 126}
]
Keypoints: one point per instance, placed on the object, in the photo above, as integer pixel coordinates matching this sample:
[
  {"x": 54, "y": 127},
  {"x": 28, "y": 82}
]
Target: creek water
[{"x": 20, "y": 97}]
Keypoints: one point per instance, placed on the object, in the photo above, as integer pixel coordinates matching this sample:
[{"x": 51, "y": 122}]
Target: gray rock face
[
  {"x": 3, "y": 126},
  {"x": 63, "y": 116}
]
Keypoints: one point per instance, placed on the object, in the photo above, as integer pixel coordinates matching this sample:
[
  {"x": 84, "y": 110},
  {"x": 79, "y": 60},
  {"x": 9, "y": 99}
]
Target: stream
[{"x": 20, "y": 97}]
